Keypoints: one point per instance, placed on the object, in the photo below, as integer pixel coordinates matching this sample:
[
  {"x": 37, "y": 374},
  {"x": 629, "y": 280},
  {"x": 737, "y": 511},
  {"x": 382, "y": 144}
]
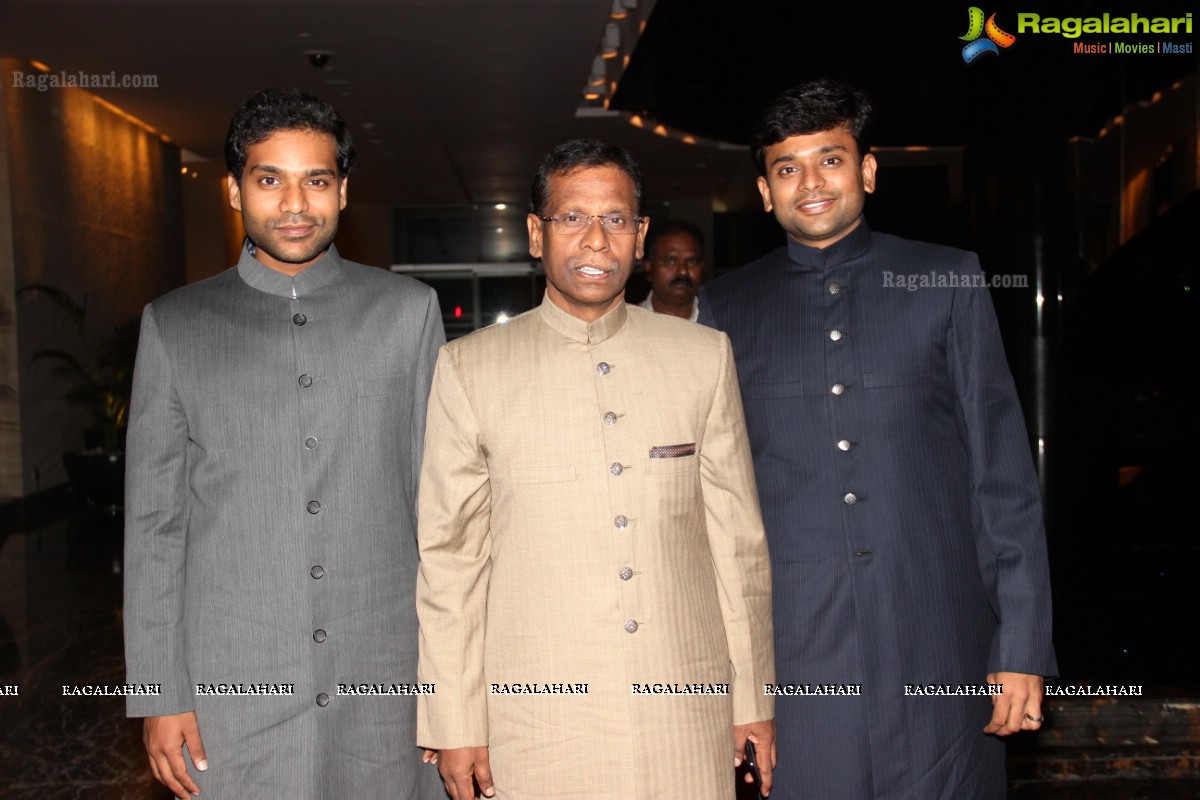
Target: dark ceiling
[
  {"x": 710, "y": 66},
  {"x": 454, "y": 101}
]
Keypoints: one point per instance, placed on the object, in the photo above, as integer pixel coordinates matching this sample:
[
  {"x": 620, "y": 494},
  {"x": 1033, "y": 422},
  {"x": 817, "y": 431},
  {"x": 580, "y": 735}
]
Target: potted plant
[{"x": 99, "y": 378}]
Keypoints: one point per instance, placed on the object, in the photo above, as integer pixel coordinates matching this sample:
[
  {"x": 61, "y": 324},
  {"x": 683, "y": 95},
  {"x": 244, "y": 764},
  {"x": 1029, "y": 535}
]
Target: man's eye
[
  {"x": 786, "y": 170},
  {"x": 572, "y": 218},
  {"x": 832, "y": 161},
  {"x": 615, "y": 221},
  {"x": 319, "y": 182},
  {"x": 267, "y": 180}
]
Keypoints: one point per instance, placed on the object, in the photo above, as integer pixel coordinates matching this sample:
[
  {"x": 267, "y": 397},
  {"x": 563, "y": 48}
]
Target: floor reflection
[{"x": 60, "y": 624}]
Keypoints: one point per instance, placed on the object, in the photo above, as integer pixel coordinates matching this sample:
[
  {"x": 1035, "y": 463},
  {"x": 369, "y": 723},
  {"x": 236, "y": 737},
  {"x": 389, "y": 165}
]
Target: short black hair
[
  {"x": 812, "y": 107},
  {"x": 579, "y": 153},
  {"x": 271, "y": 110},
  {"x": 673, "y": 226}
]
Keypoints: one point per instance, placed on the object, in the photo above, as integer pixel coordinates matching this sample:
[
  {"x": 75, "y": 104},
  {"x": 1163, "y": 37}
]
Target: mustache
[
  {"x": 298, "y": 219},
  {"x": 683, "y": 280},
  {"x": 594, "y": 261}
]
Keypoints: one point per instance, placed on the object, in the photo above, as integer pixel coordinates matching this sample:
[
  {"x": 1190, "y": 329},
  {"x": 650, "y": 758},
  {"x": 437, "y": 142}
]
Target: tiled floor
[{"x": 60, "y": 623}]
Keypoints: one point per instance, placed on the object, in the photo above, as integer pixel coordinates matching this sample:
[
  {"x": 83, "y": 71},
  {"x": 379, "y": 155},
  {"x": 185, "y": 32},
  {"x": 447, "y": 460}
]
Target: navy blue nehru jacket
[{"x": 901, "y": 506}]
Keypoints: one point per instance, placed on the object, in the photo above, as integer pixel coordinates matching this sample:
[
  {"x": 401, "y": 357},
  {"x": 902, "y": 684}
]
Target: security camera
[{"x": 318, "y": 58}]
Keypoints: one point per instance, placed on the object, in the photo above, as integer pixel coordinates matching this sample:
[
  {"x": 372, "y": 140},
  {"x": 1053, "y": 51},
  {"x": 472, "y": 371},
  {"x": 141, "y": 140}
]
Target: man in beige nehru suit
[{"x": 594, "y": 592}]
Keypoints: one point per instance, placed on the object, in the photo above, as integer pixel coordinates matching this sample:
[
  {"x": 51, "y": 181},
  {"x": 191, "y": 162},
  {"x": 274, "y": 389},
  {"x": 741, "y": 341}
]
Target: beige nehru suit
[{"x": 562, "y": 563}]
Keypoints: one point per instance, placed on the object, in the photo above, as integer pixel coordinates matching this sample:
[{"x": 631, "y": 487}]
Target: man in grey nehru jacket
[{"x": 275, "y": 441}]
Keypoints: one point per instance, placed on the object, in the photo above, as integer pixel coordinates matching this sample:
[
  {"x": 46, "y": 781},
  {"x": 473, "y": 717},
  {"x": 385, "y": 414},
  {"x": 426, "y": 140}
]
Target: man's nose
[
  {"x": 594, "y": 236},
  {"x": 293, "y": 201}
]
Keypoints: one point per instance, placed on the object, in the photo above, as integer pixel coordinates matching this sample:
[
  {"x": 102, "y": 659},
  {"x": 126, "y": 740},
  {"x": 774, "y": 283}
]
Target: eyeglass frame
[{"x": 637, "y": 223}]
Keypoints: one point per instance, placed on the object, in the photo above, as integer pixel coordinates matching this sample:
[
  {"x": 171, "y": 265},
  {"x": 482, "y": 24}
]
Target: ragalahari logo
[{"x": 976, "y": 27}]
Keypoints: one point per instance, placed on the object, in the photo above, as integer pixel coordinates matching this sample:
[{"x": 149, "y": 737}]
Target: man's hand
[
  {"x": 763, "y": 735},
  {"x": 1019, "y": 706},
  {"x": 164, "y": 738},
  {"x": 459, "y": 765}
]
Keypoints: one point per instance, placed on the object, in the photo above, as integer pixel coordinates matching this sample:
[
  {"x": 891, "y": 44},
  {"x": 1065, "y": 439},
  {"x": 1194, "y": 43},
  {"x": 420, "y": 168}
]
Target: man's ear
[
  {"x": 235, "y": 191},
  {"x": 534, "y": 223},
  {"x": 342, "y": 193},
  {"x": 869, "y": 165},
  {"x": 643, "y": 228},
  {"x": 764, "y": 189}
]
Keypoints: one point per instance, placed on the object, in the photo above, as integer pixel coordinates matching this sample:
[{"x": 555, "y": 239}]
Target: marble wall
[{"x": 90, "y": 202}]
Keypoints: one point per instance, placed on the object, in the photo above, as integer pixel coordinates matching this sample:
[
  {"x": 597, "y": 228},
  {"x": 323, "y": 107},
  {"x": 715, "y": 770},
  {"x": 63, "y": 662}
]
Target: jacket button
[
  {"x": 610, "y": 418},
  {"x": 305, "y": 381},
  {"x": 616, "y": 468},
  {"x": 299, "y": 319},
  {"x": 317, "y": 572},
  {"x": 631, "y": 626},
  {"x": 310, "y": 443},
  {"x": 850, "y": 499},
  {"x": 621, "y": 521},
  {"x": 322, "y": 699},
  {"x": 602, "y": 368},
  {"x": 313, "y": 507},
  {"x": 838, "y": 389},
  {"x": 835, "y": 335},
  {"x": 319, "y": 635},
  {"x": 835, "y": 288},
  {"x": 626, "y": 573},
  {"x": 844, "y": 445}
]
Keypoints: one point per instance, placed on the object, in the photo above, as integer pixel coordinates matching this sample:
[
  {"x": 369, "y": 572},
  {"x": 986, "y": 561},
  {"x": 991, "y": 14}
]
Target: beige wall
[
  {"x": 93, "y": 201},
  {"x": 209, "y": 223}
]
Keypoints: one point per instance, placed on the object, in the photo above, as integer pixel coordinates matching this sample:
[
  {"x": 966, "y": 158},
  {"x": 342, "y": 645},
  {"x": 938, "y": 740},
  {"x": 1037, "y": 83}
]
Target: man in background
[
  {"x": 896, "y": 480},
  {"x": 594, "y": 593},
  {"x": 274, "y": 445},
  {"x": 675, "y": 269}
]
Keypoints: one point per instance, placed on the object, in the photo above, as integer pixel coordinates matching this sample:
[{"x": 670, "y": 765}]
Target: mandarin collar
[
  {"x": 583, "y": 332},
  {"x": 852, "y": 245},
  {"x": 258, "y": 275}
]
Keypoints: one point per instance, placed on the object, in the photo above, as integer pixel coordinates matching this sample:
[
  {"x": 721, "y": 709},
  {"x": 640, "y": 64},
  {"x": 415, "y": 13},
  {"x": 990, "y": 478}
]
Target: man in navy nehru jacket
[{"x": 900, "y": 501}]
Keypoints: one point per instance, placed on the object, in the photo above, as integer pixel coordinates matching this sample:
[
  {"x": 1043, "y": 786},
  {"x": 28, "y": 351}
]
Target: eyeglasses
[{"x": 571, "y": 223}]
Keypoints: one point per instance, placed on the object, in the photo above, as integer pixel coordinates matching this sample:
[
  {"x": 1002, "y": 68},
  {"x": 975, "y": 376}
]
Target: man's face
[
  {"x": 817, "y": 185},
  {"x": 290, "y": 196},
  {"x": 675, "y": 267},
  {"x": 586, "y": 272}
]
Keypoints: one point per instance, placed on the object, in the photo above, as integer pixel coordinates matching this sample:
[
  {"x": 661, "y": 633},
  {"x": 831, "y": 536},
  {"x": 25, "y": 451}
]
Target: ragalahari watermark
[
  {"x": 951, "y": 280},
  {"x": 45, "y": 81}
]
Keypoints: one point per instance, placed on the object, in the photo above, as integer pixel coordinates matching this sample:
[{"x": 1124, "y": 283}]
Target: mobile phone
[{"x": 751, "y": 762}]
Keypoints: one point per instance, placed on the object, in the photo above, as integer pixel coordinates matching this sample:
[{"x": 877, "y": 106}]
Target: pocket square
[{"x": 673, "y": 450}]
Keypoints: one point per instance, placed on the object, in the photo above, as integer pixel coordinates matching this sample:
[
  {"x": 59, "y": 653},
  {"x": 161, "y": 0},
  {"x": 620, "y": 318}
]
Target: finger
[
  {"x": 166, "y": 776},
  {"x": 483, "y": 776},
  {"x": 149, "y": 751},
  {"x": 766, "y": 768},
  {"x": 171, "y": 763},
  {"x": 450, "y": 781},
  {"x": 464, "y": 788},
  {"x": 1032, "y": 718},
  {"x": 154, "y": 768},
  {"x": 195, "y": 746},
  {"x": 1015, "y": 710},
  {"x": 178, "y": 769},
  {"x": 1000, "y": 704}
]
